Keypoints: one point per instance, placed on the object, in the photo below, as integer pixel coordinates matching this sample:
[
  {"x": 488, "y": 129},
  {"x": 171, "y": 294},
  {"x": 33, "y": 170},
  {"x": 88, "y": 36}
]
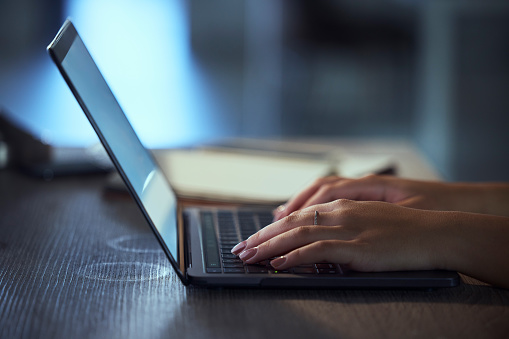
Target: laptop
[{"x": 198, "y": 240}]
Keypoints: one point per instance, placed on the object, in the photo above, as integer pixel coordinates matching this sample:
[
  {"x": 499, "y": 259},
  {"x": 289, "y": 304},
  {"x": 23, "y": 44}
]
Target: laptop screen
[{"x": 146, "y": 180}]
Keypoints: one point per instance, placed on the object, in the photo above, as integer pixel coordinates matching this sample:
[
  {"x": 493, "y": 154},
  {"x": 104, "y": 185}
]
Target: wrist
[
  {"x": 444, "y": 240},
  {"x": 483, "y": 198},
  {"x": 473, "y": 244},
  {"x": 461, "y": 197}
]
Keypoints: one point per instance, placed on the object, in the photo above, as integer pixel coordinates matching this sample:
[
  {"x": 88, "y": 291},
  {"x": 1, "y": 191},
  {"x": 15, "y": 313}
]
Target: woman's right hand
[{"x": 428, "y": 195}]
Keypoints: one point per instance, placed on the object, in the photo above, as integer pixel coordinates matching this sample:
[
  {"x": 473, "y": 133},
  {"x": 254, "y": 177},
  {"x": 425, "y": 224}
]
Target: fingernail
[
  {"x": 278, "y": 262},
  {"x": 248, "y": 254},
  {"x": 278, "y": 212},
  {"x": 239, "y": 247},
  {"x": 280, "y": 209}
]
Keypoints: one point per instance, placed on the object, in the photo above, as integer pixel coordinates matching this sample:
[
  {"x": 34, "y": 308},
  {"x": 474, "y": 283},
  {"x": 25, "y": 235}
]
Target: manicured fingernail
[
  {"x": 239, "y": 247},
  {"x": 248, "y": 254},
  {"x": 278, "y": 262}
]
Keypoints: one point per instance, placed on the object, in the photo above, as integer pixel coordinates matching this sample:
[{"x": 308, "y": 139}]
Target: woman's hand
[
  {"x": 479, "y": 198},
  {"x": 365, "y": 236},
  {"x": 380, "y": 236}
]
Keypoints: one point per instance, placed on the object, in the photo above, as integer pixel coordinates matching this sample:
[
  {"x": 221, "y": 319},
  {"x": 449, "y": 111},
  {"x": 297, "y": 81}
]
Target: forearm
[
  {"x": 476, "y": 245},
  {"x": 484, "y": 198}
]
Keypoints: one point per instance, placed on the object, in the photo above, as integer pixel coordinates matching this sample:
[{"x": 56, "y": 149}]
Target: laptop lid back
[{"x": 143, "y": 177}]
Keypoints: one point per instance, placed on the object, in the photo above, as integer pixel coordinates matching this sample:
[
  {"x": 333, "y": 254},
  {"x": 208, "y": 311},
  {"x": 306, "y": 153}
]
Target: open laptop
[{"x": 198, "y": 240}]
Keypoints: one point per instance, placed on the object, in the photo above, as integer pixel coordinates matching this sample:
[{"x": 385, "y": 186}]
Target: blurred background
[{"x": 191, "y": 71}]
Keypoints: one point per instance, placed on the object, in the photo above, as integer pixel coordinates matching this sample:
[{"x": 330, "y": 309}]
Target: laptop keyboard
[{"x": 221, "y": 230}]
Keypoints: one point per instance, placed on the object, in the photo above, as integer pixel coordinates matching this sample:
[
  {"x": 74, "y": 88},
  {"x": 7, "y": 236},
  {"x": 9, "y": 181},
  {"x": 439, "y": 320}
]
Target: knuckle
[
  {"x": 291, "y": 219},
  {"x": 325, "y": 249},
  {"x": 289, "y": 222},
  {"x": 343, "y": 203},
  {"x": 308, "y": 213},
  {"x": 321, "y": 246},
  {"x": 266, "y": 246},
  {"x": 302, "y": 232},
  {"x": 297, "y": 255}
]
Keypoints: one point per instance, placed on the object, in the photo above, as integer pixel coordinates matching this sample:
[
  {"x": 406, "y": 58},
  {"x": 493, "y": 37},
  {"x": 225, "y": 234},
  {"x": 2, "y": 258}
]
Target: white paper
[{"x": 236, "y": 177}]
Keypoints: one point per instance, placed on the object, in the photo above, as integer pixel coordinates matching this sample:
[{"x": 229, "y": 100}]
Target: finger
[
  {"x": 294, "y": 238},
  {"x": 333, "y": 251},
  {"x": 368, "y": 188},
  {"x": 325, "y": 217},
  {"x": 324, "y": 194},
  {"x": 278, "y": 211},
  {"x": 299, "y": 218},
  {"x": 296, "y": 202}
]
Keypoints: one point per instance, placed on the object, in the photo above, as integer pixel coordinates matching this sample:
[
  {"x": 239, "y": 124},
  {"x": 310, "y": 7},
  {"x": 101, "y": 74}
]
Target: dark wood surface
[{"x": 75, "y": 263}]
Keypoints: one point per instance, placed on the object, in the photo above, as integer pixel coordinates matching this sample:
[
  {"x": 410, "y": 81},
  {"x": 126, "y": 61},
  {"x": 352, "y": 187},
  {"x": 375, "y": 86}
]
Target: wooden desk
[{"x": 75, "y": 263}]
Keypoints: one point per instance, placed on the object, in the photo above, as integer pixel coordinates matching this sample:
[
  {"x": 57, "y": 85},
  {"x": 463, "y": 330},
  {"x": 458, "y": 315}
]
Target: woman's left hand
[{"x": 364, "y": 236}]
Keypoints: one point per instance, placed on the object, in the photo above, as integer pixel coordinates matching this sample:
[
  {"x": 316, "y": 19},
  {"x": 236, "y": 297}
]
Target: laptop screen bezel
[{"x": 58, "y": 50}]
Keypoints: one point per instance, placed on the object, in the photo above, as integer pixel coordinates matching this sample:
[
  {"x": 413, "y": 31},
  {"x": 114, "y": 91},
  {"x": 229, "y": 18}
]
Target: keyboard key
[
  {"x": 226, "y": 218},
  {"x": 327, "y": 271},
  {"x": 256, "y": 269},
  {"x": 264, "y": 263},
  {"x": 227, "y": 231},
  {"x": 228, "y": 243},
  {"x": 304, "y": 270},
  {"x": 209, "y": 241},
  {"x": 265, "y": 219},
  {"x": 232, "y": 260},
  {"x": 233, "y": 264},
  {"x": 234, "y": 270},
  {"x": 211, "y": 264},
  {"x": 221, "y": 233},
  {"x": 325, "y": 266},
  {"x": 247, "y": 225},
  {"x": 229, "y": 238}
]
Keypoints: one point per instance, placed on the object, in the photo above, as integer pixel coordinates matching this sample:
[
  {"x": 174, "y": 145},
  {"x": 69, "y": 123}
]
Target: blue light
[
  {"x": 142, "y": 49},
  {"x": 38, "y": 100}
]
